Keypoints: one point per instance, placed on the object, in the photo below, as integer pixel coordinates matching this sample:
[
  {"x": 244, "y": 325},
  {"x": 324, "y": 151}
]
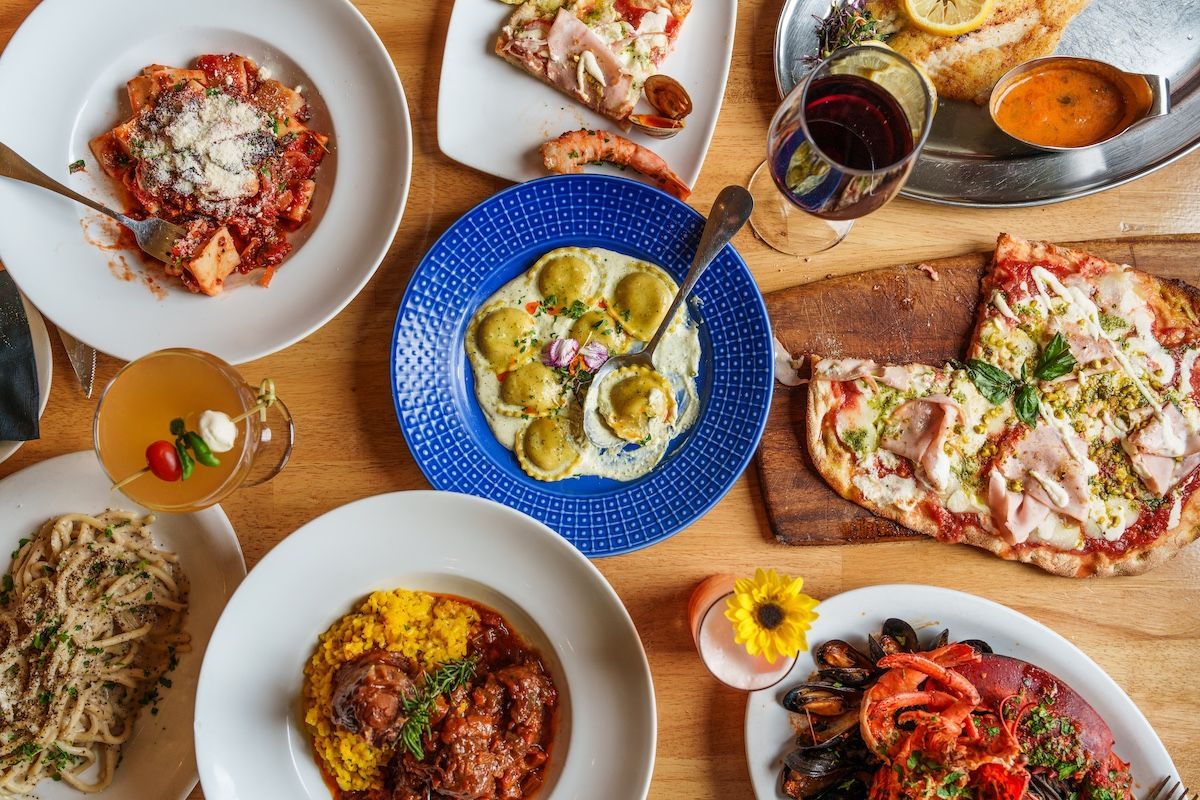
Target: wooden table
[{"x": 1144, "y": 631}]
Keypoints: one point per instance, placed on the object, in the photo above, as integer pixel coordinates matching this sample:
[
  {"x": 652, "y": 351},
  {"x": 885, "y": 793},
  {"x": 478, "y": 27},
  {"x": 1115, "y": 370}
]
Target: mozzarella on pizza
[
  {"x": 599, "y": 52},
  {"x": 1070, "y": 438}
]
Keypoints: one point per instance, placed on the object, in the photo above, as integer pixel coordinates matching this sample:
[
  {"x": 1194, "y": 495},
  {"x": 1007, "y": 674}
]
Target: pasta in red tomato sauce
[{"x": 223, "y": 151}]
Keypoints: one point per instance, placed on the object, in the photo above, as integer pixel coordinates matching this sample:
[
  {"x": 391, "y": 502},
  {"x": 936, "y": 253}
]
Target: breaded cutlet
[{"x": 966, "y": 67}]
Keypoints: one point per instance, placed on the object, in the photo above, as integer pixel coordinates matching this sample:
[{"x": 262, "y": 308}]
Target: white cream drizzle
[
  {"x": 1058, "y": 495},
  {"x": 1186, "y": 366},
  {"x": 1069, "y": 440},
  {"x": 1001, "y": 304}
]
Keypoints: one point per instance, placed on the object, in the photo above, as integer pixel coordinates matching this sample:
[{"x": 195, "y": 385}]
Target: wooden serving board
[{"x": 896, "y": 314}]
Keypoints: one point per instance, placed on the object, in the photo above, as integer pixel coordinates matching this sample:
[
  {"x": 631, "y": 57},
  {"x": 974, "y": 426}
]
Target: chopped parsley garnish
[
  {"x": 76, "y": 166},
  {"x": 576, "y": 310}
]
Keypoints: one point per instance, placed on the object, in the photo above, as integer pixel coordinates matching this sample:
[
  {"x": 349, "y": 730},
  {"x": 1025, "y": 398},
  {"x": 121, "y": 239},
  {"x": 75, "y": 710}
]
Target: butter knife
[{"x": 83, "y": 360}]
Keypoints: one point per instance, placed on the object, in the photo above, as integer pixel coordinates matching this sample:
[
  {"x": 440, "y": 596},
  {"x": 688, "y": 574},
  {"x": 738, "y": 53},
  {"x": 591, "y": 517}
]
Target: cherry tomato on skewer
[{"x": 164, "y": 461}]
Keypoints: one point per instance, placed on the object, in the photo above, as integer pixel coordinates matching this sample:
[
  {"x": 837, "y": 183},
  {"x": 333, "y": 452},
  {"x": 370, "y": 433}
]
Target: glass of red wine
[{"x": 842, "y": 144}]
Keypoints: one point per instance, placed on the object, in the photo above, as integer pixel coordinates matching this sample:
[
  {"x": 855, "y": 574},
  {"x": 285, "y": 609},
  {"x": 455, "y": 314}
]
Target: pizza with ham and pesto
[
  {"x": 599, "y": 52},
  {"x": 1069, "y": 438}
]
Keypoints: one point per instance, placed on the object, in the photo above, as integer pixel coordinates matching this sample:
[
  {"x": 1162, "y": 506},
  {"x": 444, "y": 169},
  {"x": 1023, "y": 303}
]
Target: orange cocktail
[{"x": 138, "y": 408}]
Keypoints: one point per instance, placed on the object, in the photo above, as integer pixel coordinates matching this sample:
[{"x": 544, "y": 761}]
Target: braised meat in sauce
[
  {"x": 488, "y": 739},
  {"x": 368, "y": 693}
]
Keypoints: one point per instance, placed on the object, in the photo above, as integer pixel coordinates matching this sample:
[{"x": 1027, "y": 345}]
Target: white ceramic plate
[
  {"x": 493, "y": 117},
  {"x": 852, "y": 615},
  {"x": 250, "y": 740},
  {"x": 82, "y": 53},
  {"x": 158, "y": 761},
  {"x": 43, "y": 356}
]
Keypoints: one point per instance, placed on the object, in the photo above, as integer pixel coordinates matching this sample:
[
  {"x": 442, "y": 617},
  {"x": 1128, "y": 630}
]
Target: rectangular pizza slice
[
  {"x": 1070, "y": 438},
  {"x": 599, "y": 52}
]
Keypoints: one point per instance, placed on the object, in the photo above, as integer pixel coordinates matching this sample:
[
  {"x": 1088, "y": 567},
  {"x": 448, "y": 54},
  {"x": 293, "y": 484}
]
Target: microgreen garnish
[
  {"x": 1054, "y": 361},
  {"x": 848, "y": 23}
]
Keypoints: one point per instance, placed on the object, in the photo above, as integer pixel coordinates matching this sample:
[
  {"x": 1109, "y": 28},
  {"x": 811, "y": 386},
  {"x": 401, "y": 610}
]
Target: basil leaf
[
  {"x": 1026, "y": 404},
  {"x": 1055, "y": 360},
  {"x": 992, "y": 382}
]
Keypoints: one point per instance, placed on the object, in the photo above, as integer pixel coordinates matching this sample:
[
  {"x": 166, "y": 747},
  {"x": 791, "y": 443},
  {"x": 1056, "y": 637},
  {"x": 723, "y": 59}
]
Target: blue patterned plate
[{"x": 497, "y": 240}]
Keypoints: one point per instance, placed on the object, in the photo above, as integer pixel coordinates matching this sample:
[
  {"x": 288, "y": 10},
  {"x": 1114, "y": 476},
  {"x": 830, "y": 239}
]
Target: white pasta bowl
[
  {"x": 250, "y": 737},
  {"x": 63, "y": 255}
]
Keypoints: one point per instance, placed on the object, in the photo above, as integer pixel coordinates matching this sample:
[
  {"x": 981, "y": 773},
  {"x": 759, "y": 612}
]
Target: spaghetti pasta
[{"x": 91, "y": 618}]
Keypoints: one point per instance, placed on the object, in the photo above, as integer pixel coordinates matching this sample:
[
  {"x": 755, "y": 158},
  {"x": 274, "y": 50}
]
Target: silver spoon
[
  {"x": 729, "y": 213},
  {"x": 155, "y": 236}
]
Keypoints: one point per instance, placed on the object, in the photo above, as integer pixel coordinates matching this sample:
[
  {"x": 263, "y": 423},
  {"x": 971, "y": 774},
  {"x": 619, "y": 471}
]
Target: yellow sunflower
[{"x": 770, "y": 614}]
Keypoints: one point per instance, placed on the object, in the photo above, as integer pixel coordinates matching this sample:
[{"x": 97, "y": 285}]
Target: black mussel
[
  {"x": 814, "y": 763},
  {"x": 875, "y": 648},
  {"x": 900, "y": 632},
  {"x": 803, "y": 787},
  {"x": 979, "y": 644},
  {"x": 942, "y": 639},
  {"x": 885, "y": 646},
  {"x": 849, "y": 676},
  {"x": 836, "y": 654},
  {"x": 822, "y": 732},
  {"x": 822, "y": 699},
  {"x": 834, "y": 773}
]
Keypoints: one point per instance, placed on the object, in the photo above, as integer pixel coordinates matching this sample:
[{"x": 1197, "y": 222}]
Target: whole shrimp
[{"x": 568, "y": 153}]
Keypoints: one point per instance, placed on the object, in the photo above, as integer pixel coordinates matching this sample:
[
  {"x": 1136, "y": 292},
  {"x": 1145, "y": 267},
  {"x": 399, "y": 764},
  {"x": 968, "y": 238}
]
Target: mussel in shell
[
  {"x": 979, "y": 644},
  {"x": 896, "y": 636},
  {"x": 836, "y": 654},
  {"x": 850, "y": 676},
  {"x": 822, "y": 699},
  {"x": 902, "y": 634},
  {"x": 814, "y": 763},
  {"x": 839, "y": 772}
]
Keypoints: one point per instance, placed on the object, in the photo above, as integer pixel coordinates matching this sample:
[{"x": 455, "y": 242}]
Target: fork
[
  {"x": 155, "y": 236},
  {"x": 1177, "y": 791}
]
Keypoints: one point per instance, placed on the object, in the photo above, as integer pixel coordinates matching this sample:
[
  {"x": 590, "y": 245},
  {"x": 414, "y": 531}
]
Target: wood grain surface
[
  {"x": 1144, "y": 631},
  {"x": 897, "y": 314}
]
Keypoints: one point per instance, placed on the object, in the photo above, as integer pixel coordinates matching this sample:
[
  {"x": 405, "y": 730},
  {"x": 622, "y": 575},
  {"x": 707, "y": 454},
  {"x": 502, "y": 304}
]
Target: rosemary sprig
[
  {"x": 419, "y": 706},
  {"x": 848, "y": 23}
]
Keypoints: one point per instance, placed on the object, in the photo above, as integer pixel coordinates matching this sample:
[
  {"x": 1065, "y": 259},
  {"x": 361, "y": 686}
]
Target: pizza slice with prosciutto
[
  {"x": 599, "y": 52},
  {"x": 1070, "y": 437}
]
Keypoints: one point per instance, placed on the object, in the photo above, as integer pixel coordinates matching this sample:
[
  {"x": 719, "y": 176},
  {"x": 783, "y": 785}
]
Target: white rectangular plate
[{"x": 493, "y": 117}]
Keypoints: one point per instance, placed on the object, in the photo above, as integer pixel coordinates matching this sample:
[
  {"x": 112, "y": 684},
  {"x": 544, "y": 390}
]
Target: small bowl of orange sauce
[{"x": 1062, "y": 103}]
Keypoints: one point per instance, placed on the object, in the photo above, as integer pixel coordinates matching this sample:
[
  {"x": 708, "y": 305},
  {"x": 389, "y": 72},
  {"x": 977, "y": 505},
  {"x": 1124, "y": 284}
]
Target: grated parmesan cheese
[{"x": 208, "y": 145}]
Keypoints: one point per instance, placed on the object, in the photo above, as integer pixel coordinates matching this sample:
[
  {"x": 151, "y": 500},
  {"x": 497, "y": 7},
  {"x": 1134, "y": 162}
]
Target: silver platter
[{"x": 968, "y": 161}]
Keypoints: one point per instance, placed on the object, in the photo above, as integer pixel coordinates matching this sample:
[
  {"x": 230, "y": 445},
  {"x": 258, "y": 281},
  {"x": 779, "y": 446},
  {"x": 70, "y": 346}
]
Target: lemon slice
[{"x": 948, "y": 17}]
